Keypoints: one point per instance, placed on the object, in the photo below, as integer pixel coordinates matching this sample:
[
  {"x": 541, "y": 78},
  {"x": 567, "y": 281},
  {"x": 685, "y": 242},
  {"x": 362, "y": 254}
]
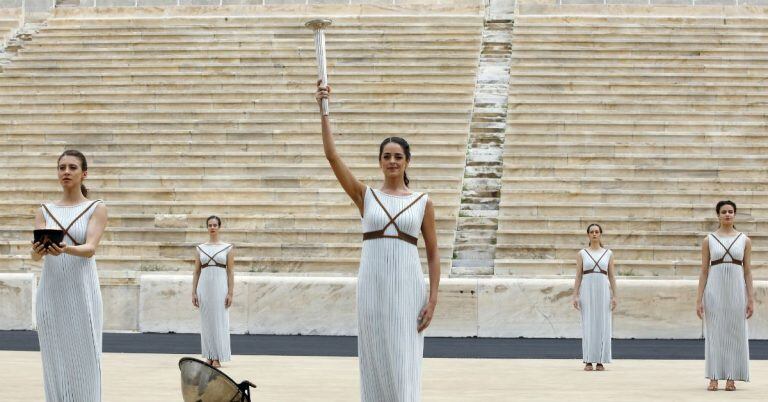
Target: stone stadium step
[
  {"x": 281, "y": 156},
  {"x": 568, "y": 134},
  {"x": 56, "y": 134},
  {"x": 349, "y": 221},
  {"x": 302, "y": 169},
  {"x": 266, "y": 235},
  {"x": 223, "y": 208},
  {"x": 702, "y": 224},
  {"x": 626, "y": 251},
  {"x": 420, "y": 147},
  {"x": 618, "y": 237},
  {"x": 206, "y": 194},
  {"x": 248, "y": 127},
  {"x": 620, "y": 196},
  {"x": 272, "y": 89},
  {"x": 687, "y": 184},
  {"x": 184, "y": 252},
  {"x": 625, "y": 268},
  {"x": 264, "y": 265},
  {"x": 594, "y": 210},
  {"x": 298, "y": 183},
  {"x": 553, "y": 159}
]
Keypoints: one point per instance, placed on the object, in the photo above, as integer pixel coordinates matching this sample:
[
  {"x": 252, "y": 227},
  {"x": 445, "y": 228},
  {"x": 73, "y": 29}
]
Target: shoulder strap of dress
[
  {"x": 375, "y": 197},
  {"x": 409, "y": 205},
  {"x": 66, "y": 229},
  {"x": 220, "y": 251},
  {"x": 203, "y": 251}
]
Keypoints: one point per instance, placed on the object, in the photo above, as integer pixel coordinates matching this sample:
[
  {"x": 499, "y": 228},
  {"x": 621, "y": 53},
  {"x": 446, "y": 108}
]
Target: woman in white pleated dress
[
  {"x": 68, "y": 300},
  {"x": 393, "y": 305},
  {"x": 726, "y": 300},
  {"x": 213, "y": 284},
  {"x": 595, "y": 296}
]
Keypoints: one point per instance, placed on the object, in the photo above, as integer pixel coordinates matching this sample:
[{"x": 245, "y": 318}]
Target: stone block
[
  {"x": 636, "y": 2},
  {"x": 456, "y": 312},
  {"x": 536, "y": 308},
  {"x": 17, "y": 301},
  {"x": 171, "y": 221},
  {"x": 672, "y": 2},
  {"x": 302, "y": 305},
  {"x": 120, "y": 298},
  {"x": 38, "y": 6},
  {"x": 115, "y": 3},
  {"x": 165, "y": 305},
  {"x": 328, "y": 2},
  {"x": 199, "y": 2},
  {"x": 377, "y": 2},
  {"x": 11, "y": 3},
  {"x": 152, "y": 3},
  {"x": 567, "y": 2},
  {"x": 243, "y": 2}
]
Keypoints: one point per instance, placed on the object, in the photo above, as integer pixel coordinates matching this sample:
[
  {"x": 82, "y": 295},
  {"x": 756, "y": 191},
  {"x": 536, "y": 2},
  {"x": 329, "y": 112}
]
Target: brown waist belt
[
  {"x": 379, "y": 234},
  {"x": 213, "y": 265},
  {"x": 596, "y": 272},
  {"x": 722, "y": 261}
]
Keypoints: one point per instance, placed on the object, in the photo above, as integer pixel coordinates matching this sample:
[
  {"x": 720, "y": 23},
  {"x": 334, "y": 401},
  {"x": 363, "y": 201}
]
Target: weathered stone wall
[{"x": 499, "y": 307}]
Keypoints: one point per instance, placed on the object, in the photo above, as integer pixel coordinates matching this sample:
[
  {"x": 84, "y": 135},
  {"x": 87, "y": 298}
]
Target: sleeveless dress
[
  {"x": 726, "y": 339},
  {"x": 595, "y": 301},
  {"x": 391, "y": 291},
  {"x": 69, "y": 312},
  {"x": 212, "y": 290}
]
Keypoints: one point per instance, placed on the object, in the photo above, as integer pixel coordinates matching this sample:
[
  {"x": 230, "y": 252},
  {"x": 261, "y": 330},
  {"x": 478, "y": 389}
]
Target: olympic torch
[{"x": 318, "y": 26}]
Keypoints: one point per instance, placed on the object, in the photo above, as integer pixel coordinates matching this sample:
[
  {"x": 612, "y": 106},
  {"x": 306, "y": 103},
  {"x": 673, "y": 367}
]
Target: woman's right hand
[
  {"x": 38, "y": 250},
  {"x": 700, "y": 309},
  {"x": 576, "y": 303},
  {"x": 322, "y": 92},
  {"x": 195, "y": 302}
]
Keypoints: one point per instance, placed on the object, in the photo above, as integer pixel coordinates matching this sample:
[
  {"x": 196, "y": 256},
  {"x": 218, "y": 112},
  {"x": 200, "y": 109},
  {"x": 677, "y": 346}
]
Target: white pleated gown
[
  {"x": 726, "y": 344},
  {"x": 391, "y": 291},
  {"x": 212, "y": 290},
  {"x": 69, "y": 316},
  {"x": 595, "y": 302}
]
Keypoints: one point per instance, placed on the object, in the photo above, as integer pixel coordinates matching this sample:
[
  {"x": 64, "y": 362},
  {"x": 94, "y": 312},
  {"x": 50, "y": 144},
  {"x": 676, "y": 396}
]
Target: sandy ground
[{"x": 155, "y": 377}]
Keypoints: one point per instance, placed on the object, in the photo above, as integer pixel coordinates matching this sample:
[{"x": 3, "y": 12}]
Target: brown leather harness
[
  {"x": 379, "y": 234},
  {"x": 596, "y": 268},
  {"x": 721, "y": 260},
  {"x": 211, "y": 261},
  {"x": 66, "y": 230}
]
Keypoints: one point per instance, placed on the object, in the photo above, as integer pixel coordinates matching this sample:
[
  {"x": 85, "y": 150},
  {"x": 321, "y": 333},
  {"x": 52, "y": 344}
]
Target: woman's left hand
[
  {"x": 228, "y": 300},
  {"x": 613, "y": 303},
  {"x": 750, "y": 308},
  {"x": 59, "y": 249},
  {"x": 425, "y": 316}
]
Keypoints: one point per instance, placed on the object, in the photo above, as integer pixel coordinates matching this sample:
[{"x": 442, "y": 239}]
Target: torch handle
[{"x": 322, "y": 71}]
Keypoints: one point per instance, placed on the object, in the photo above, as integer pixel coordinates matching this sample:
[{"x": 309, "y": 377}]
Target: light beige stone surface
[
  {"x": 17, "y": 301},
  {"x": 151, "y": 377}
]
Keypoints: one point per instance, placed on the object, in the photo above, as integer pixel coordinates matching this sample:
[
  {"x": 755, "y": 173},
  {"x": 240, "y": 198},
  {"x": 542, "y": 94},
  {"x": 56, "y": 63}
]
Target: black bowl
[{"x": 49, "y": 236}]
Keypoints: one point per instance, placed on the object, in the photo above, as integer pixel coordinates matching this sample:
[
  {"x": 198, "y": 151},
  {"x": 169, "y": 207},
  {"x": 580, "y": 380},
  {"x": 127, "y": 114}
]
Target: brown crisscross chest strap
[
  {"x": 722, "y": 260},
  {"x": 379, "y": 234},
  {"x": 66, "y": 229},
  {"x": 596, "y": 268},
  {"x": 211, "y": 258}
]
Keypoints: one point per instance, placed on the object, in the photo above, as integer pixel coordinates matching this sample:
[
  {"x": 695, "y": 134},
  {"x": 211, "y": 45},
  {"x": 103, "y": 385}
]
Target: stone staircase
[
  {"x": 186, "y": 116},
  {"x": 10, "y": 21},
  {"x": 475, "y": 244},
  {"x": 640, "y": 123}
]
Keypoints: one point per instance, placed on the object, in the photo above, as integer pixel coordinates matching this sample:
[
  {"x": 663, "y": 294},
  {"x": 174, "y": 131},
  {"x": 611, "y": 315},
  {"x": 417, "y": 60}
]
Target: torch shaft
[{"x": 322, "y": 70}]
